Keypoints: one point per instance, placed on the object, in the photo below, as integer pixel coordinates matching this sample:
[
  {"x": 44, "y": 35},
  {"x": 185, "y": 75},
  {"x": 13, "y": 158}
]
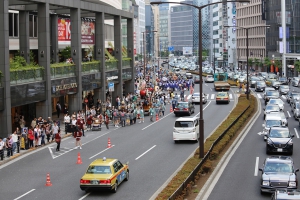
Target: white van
[
  {"x": 272, "y": 120},
  {"x": 186, "y": 128}
]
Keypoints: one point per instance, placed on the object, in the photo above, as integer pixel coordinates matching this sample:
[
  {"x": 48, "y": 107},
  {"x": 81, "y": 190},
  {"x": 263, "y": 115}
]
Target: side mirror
[
  {"x": 260, "y": 169},
  {"x": 297, "y": 170},
  {"x": 292, "y": 136}
]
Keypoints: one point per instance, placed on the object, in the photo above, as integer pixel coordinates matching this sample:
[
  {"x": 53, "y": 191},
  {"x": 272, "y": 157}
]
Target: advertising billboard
[
  {"x": 187, "y": 50},
  {"x": 64, "y": 31}
]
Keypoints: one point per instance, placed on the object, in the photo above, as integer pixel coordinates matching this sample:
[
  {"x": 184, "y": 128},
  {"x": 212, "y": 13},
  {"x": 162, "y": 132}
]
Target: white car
[
  {"x": 196, "y": 98},
  {"x": 278, "y": 102},
  {"x": 268, "y": 89},
  {"x": 209, "y": 79},
  {"x": 186, "y": 128}
]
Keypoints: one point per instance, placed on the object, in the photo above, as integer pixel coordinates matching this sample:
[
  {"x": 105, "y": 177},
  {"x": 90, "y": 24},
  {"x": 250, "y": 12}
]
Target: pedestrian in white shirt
[
  {"x": 55, "y": 129},
  {"x": 1, "y": 148},
  {"x": 67, "y": 121},
  {"x": 15, "y": 140}
]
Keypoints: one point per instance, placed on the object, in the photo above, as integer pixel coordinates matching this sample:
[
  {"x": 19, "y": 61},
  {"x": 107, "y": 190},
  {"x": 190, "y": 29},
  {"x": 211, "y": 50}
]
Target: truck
[{"x": 220, "y": 81}]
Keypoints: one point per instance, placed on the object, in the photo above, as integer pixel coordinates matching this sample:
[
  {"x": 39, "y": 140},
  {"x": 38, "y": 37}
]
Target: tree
[
  {"x": 250, "y": 62},
  {"x": 297, "y": 65},
  {"x": 267, "y": 62},
  {"x": 66, "y": 53},
  {"x": 256, "y": 62}
]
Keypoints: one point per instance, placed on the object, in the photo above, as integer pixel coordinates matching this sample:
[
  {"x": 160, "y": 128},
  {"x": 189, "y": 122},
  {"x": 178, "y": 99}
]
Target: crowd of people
[{"x": 154, "y": 89}]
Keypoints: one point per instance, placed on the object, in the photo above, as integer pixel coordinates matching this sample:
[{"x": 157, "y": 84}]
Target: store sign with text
[{"x": 87, "y": 31}]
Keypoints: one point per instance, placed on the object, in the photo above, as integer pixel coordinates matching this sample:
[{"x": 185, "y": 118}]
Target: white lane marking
[
  {"x": 101, "y": 152},
  {"x": 259, "y": 96},
  {"x": 296, "y": 132},
  {"x": 157, "y": 121},
  {"x": 283, "y": 96},
  {"x": 206, "y": 84},
  {"x": 188, "y": 97},
  {"x": 203, "y": 108},
  {"x": 210, "y": 89},
  {"x": 230, "y": 96},
  {"x": 56, "y": 156},
  {"x": 256, "y": 166},
  {"x": 288, "y": 113},
  {"x": 24, "y": 194},
  {"x": 145, "y": 152},
  {"x": 212, "y": 96},
  {"x": 87, "y": 194}
]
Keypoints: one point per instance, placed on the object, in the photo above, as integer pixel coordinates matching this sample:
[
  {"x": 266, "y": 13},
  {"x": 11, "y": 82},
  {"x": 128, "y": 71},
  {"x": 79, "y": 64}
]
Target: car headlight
[
  {"x": 290, "y": 142},
  {"x": 269, "y": 142},
  {"x": 266, "y": 183},
  {"x": 292, "y": 184}
]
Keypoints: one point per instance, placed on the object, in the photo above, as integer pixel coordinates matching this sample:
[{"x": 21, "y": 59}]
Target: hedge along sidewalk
[
  {"x": 190, "y": 165},
  {"x": 218, "y": 170}
]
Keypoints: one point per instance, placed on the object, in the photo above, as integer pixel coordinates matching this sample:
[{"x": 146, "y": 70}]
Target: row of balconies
[{"x": 30, "y": 74}]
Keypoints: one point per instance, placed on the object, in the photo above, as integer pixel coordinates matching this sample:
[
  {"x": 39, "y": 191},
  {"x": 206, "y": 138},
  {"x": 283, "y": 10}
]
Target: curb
[
  {"x": 16, "y": 155},
  {"x": 211, "y": 182}
]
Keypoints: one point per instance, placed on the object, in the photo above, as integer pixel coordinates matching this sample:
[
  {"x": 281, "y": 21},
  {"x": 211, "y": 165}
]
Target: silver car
[
  {"x": 278, "y": 102},
  {"x": 196, "y": 98},
  {"x": 284, "y": 89},
  {"x": 295, "y": 81},
  {"x": 296, "y": 110}
]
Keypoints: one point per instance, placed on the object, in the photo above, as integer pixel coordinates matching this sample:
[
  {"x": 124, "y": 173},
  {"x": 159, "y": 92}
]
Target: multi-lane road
[
  {"x": 152, "y": 154},
  {"x": 241, "y": 177}
]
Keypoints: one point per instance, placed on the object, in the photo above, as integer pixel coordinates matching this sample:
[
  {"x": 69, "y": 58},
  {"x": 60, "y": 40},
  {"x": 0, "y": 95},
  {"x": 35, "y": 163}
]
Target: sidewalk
[{"x": 22, "y": 152}]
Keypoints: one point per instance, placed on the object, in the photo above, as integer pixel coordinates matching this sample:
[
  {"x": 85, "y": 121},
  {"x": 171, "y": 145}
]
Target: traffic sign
[
  {"x": 171, "y": 48},
  {"x": 111, "y": 87}
]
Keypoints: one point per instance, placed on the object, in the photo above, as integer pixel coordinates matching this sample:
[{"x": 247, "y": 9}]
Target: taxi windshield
[
  {"x": 98, "y": 170},
  {"x": 182, "y": 105},
  {"x": 222, "y": 94},
  {"x": 278, "y": 167}
]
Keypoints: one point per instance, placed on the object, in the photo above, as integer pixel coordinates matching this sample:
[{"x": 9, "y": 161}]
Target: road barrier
[{"x": 193, "y": 174}]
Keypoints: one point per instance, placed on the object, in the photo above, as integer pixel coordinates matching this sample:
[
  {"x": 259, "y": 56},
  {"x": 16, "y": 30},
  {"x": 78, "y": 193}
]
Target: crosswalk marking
[
  {"x": 230, "y": 96},
  {"x": 259, "y": 96},
  {"x": 283, "y": 96},
  {"x": 212, "y": 96},
  {"x": 188, "y": 97}
]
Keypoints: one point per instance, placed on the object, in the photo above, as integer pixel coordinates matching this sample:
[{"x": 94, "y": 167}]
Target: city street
[
  {"x": 152, "y": 154},
  {"x": 241, "y": 177}
]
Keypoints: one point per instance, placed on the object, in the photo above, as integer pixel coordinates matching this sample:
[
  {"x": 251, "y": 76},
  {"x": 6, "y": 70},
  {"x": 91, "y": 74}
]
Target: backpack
[{"x": 122, "y": 114}]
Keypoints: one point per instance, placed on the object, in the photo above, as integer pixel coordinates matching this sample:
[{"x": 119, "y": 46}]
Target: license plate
[
  {"x": 95, "y": 182},
  {"x": 279, "y": 150}
]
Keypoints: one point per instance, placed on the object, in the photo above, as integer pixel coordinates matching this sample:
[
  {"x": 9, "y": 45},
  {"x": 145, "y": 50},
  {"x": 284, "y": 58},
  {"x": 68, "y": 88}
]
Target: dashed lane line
[
  {"x": 256, "y": 166},
  {"x": 296, "y": 132}
]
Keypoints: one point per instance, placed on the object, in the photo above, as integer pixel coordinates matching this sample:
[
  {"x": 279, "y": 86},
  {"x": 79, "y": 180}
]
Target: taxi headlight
[
  {"x": 292, "y": 184},
  {"x": 266, "y": 183},
  {"x": 290, "y": 142}
]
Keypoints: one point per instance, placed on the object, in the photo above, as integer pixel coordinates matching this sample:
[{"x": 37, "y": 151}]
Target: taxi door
[{"x": 121, "y": 171}]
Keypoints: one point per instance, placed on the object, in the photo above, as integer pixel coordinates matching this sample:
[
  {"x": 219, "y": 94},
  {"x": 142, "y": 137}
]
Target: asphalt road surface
[
  {"x": 241, "y": 177},
  {"x": 152, "y": 154}
]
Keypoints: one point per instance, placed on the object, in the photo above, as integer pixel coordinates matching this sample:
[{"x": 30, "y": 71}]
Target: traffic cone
[
  {"x": 108, "y": 143},
  {"x": 79, "y": 159},
  {"x": 157, "y": 117},
  {"x": 171, "y": 109},
  {"x": 48, "y": 182}
]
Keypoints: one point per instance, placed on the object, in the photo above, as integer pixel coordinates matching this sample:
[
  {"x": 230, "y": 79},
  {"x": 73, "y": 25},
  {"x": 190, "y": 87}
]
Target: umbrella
[{"x": 164, "y": 78}]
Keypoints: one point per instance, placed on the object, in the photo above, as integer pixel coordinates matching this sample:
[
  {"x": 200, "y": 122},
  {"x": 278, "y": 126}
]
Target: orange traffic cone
[
  {"x": 79, "y": 161},
  {"x": 157, "y": 117},
  {"x": 171, "y": 109},
  {"x": 108, "y": 143},
  {"x": 48, "y": 182}
]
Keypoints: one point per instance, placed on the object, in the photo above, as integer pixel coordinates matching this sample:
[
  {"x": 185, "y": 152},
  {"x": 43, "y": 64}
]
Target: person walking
[
  {"x": 123, "y": 118},
  {"x": 58, "y": 139},
  {"x": 55, "y": 129},
  {"x": 67, "y": 121},
  {"x": 106, "y": 120},
  {"x": 163, "y": 109},
  {"x": 141, "y": 115},
  {"x": 77, "y": 136},
  {"x": 30, "y": 137},
  {"x": 58, "y": 109},
  {"x": 2, "y": 145},
  {"x": 151, "y": 113},
  {"x": 80, "y": 123}
]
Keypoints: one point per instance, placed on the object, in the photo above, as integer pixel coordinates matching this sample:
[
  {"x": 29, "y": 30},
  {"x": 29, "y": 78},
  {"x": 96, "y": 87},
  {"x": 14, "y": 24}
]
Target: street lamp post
[
  {"x": 201, "y": 120},
  {"x": 247, "y": 50}
]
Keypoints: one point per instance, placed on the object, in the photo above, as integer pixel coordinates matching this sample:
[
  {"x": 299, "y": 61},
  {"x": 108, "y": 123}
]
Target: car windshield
[
  {"x": 222, "y": 94},
  {"x": 273, "y": 93},
  {"x": 271, "y": 123},
  {"x": 272, "y": 107},
  {"x": 279, "y": 134},
  {"x": 182, "y": 105},
  {"x": 284, "y": 87},
  {"x": 209, "y": 76},
  {"x": 278, "y": 167},
  {"x": 254, "y": 78},
  {"x": 276, "y": 101},
  {"x": 260, "y": 83},
  {"x": 98, "y": 170},
  {"x": 196, "y": 94},
  {"x": 184, "y": 124},
  {"x": 282, "y": 79}
]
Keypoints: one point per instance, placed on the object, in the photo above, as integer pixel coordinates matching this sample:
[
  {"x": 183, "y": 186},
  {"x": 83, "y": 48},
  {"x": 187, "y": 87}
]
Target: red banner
[{"x": 87, "y": 31}]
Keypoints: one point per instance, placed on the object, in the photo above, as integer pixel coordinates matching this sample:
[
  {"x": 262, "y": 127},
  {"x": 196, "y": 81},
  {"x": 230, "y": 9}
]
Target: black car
[
  {"x": 283, "y": 80},
  {"x": 184, "y": 108},
  {"x": 278, "y": 173},
  {"x": 279, "y": 140},
  {"x": 253, "y": 80},
  {"x": 197, "y": 79},
  {"x": 260, "y": 86},
  {"x": 271, "y": 95}
]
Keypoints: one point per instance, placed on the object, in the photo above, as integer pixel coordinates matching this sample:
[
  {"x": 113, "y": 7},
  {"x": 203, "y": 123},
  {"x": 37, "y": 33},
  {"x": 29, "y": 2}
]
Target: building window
[
  {"x": 33, "y": 27},
  {"x": 13, "y": 24}
]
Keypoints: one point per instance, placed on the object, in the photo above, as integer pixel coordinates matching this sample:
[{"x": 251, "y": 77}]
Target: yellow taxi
[{"x": 106, "y": 173}]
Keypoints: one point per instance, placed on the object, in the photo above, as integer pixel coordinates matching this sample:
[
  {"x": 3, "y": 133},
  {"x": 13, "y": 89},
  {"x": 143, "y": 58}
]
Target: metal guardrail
[{"x": 192, "y": 175}]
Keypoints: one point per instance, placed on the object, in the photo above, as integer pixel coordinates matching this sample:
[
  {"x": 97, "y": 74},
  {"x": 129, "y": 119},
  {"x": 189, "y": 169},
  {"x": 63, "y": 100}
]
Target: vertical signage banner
[
  {"x": 64, "y": 30},
  {"x": 87, "y": 32}
]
